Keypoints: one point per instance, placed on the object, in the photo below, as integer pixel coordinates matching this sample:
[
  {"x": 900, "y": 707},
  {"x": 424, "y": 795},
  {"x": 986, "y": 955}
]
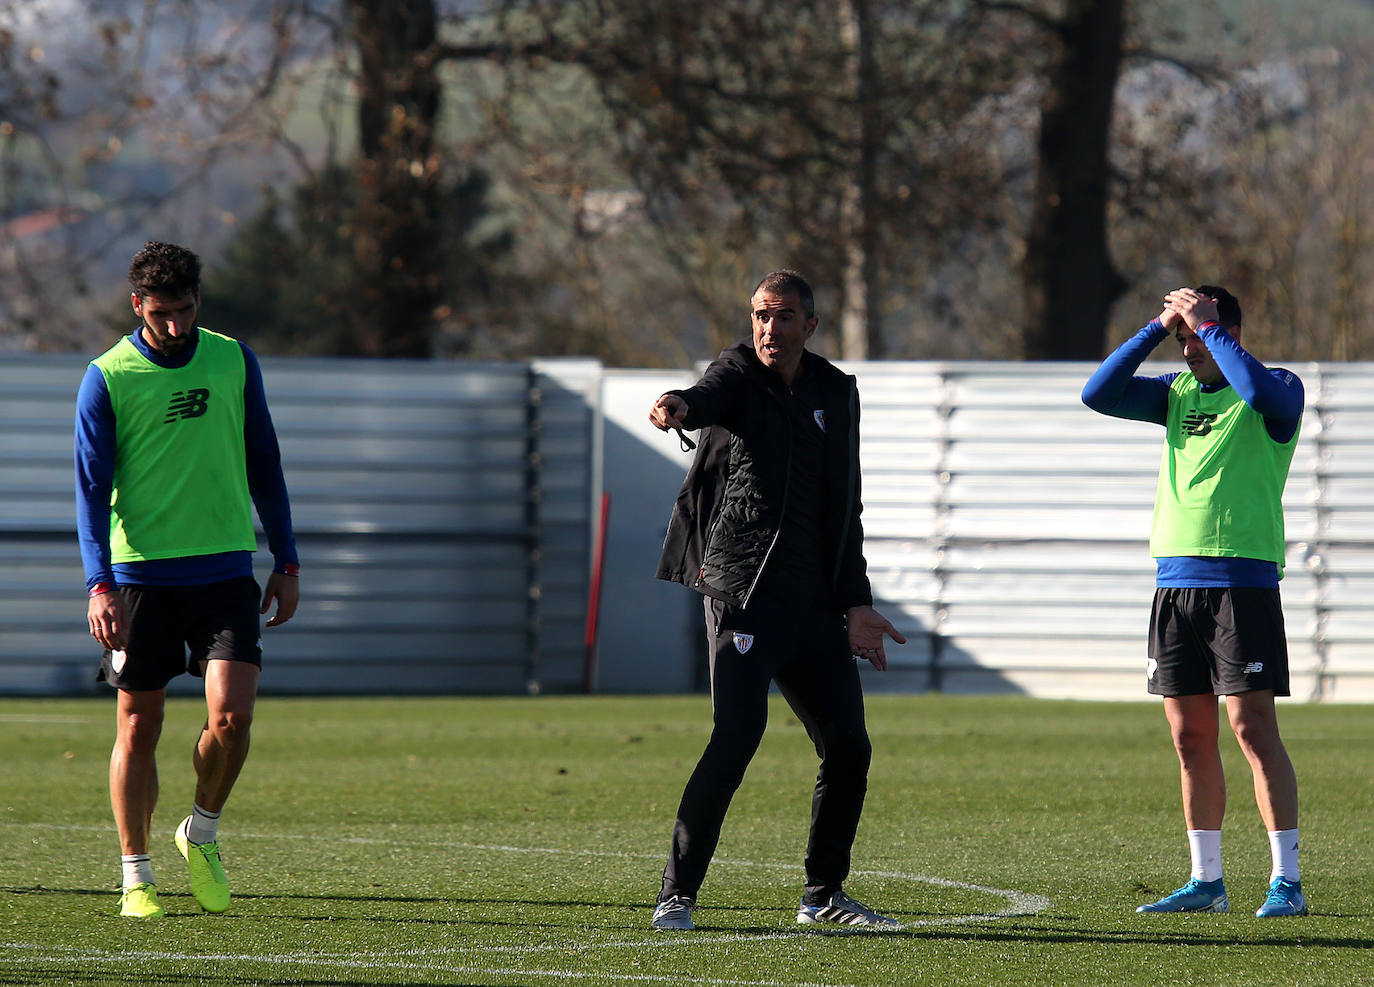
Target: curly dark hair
[
  {"x": 1228, "y": 308},
  {"x": 164, "y": 269},
  {"x": 789, "y": 280}
]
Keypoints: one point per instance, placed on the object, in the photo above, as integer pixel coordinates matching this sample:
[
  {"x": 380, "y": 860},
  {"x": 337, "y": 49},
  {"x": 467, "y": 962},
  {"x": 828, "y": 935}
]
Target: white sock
[
  {"x": 1283, "y": 847},
  {"x": 1204, "y": 846},
  {"x": 204, "y": 826},
  {"x": 138, "y": 869}
]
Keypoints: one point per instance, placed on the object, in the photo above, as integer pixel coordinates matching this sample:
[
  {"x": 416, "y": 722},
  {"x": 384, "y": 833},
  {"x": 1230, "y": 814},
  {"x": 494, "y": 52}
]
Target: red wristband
[
  {"x": 290, "y": 569},
  {"x": 101, "y": 588}
]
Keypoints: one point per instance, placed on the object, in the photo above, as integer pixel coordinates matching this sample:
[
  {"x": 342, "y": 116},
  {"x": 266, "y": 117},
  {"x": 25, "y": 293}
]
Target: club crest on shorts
[
  {"x": 743, "y": 642},
  {"x": 1151, "y": 666},
  {"x": 117, "y": 660},
  {"x": 819, "y": 414}
]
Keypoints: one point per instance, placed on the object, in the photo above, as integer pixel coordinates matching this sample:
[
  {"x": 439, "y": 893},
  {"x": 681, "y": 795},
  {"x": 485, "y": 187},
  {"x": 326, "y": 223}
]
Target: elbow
[{"x": 1101, "y": 396}]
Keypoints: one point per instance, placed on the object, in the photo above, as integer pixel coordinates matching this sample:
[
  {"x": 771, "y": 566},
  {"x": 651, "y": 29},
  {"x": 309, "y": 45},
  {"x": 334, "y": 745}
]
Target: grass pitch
[{"x": 520, "y": 842}]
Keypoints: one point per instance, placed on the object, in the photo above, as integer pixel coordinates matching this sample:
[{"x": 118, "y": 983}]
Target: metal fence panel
[
  {"x": 411, "y": 498},
  {"x": 445, "y": 518},
  {"x": 569, "y": 484},
  {"x": 1007, "y": 525}
]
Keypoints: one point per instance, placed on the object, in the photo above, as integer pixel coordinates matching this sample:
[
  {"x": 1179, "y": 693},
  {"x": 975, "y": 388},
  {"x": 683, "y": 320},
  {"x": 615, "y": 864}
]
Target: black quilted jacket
[{"x": 728, "y": 512}]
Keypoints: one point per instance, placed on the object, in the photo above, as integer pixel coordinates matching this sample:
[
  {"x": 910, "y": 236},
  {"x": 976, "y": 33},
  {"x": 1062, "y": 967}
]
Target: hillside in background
[{"x": 132, "y": 145}]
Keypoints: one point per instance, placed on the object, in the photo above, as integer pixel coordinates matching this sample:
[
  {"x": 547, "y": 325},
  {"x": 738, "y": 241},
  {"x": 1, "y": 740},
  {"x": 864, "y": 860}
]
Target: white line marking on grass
[
  {"x": 1018, "y": 903},
  {"x": 127, "y": 957}
]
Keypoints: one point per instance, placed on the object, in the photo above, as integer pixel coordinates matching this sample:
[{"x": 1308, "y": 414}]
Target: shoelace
[
  {"x": 1278, "y": 896},
  {"x": 1194, "y": 886}
]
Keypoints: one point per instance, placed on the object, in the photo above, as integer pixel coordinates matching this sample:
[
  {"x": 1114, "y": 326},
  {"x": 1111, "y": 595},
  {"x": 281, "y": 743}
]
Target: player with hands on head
[
  {"x": 174, "y": 449},
  {"x": 1216, "y": 627},
  {"x": 767, "y": 528}
]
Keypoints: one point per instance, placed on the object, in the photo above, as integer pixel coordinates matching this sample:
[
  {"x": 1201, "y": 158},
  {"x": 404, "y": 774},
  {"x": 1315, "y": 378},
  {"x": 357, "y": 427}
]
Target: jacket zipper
[
  {"x": 715, "y": 524},
  {"x": 782, "y": 511},
  {"x": 853, "y": 479}
]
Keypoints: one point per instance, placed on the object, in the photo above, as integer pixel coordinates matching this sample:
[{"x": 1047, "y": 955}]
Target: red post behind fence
[{"x": 594, "y": 598}]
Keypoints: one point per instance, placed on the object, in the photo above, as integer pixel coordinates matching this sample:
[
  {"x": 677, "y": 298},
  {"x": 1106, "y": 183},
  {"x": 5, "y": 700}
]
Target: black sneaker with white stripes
[{"x": 844, "y": 910}]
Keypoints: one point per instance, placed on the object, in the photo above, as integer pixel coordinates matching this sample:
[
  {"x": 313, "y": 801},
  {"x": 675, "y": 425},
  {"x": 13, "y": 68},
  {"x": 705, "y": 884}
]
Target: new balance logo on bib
[{"x": 190, "y": 403}]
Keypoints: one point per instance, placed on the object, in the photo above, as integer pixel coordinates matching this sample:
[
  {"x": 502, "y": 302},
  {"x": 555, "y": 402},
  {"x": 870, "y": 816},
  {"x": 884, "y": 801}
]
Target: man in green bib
[
  {"x": 174, "y": 450},
  {"x": 1216, "y": 628}
]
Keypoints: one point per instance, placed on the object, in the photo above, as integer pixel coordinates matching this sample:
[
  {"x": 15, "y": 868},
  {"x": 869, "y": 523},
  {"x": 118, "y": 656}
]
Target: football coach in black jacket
[{"x": 766, "y": 528}]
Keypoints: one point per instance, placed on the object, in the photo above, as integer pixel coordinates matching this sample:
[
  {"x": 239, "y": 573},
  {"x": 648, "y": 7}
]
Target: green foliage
[
  {"x": 642, "y": 162},
  {"x": 283, "y": 281},
  {"x": 520, "y": 841},
  {"x": 287, "y": 283}
]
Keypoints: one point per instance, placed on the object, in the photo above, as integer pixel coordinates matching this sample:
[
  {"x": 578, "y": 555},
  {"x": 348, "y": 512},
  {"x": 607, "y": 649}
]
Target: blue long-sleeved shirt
[
  {"x": 95, "y": 458},
  {"x": 1277, "y": 394}
]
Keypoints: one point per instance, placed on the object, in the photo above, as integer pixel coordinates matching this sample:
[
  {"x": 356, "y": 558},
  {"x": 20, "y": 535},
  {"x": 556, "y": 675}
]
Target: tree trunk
[
  {"x": 861, "y": 330},
  {"x": 396, "y": 228},
  {"x": 1070, "y": 282}
]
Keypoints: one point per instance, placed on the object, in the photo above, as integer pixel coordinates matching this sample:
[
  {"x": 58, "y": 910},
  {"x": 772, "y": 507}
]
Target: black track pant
[{"x": 806, "y": 651}]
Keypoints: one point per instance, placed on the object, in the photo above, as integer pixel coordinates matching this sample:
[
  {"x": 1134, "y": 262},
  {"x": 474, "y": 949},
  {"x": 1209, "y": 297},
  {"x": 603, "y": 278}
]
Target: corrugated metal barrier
[
  {"x": 1009, "y": 524},
  {"x": 416, "y": 498},
  {"x": 444, "y": 513}
]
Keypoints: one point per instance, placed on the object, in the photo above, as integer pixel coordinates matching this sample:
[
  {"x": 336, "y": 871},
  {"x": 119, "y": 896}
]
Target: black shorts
[
  {"x": 175, "y": 628},
  {"x": 1217, "y": 641}
]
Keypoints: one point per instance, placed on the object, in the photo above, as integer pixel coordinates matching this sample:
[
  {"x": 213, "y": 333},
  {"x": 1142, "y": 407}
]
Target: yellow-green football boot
[
  {"x": 208, "y": 882},
  {"x": 140, "y": 901}
]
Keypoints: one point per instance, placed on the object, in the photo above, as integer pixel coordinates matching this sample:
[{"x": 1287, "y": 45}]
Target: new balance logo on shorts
[
  {"x": 1253, "y": 668},
  {"x": 1196, "y": 423},
  {"x": 190, "y": 403}
]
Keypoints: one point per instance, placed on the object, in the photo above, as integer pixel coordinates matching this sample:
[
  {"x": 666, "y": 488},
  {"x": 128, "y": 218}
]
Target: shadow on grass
[
  {"x": 989, "y": 929},
  {"x": 37, "y": 976},
  {"x": 76, "y": 975},
  {"x": 1229, "y": 936},
  {"x": 966, "y": 932}
]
